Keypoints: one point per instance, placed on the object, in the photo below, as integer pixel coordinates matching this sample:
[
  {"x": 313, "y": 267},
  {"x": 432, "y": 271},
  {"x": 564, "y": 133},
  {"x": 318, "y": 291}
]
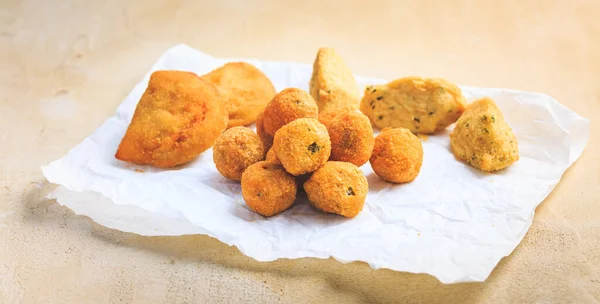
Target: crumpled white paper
[{"x": 452, "y": 222}]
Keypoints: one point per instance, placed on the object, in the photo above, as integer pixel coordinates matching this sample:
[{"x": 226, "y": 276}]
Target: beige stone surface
[{"x": 66, "y": 65}]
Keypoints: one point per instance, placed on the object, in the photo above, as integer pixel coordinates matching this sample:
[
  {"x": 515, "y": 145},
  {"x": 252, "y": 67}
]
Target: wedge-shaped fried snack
[
  {"x": 178, "y": 117},
  {"x": 332, "y": 84},
  {"x": 483, "y": 139},
  {"x": 246, "y": 91},
  {"x": 421, "y": 105}
]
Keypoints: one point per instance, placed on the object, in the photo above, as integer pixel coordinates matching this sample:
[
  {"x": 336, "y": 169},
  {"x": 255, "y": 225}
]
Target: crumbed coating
[
  {"x": 287, "y": 106},
  {"x": 246, "y": 91},
  {"x": 397, "y": 156},
  {"x": 178, "y": 117},
  {"x": 422, "y": 105},
  {"x": 235, "y": 150},
  {"x": 351, "y": 136},
  {"x": 302, "y": 146},
  {"x": 332, "y": 84},
  {"x": 267, "y": 189},
  {"x": 483, "y": 139},
  {"x": 272, "y": 158},
  {"x": 339, "y": 188}
]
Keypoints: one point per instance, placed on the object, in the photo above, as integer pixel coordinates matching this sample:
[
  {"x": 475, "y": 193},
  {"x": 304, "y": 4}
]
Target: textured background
[{"x": 66, "y": 65}]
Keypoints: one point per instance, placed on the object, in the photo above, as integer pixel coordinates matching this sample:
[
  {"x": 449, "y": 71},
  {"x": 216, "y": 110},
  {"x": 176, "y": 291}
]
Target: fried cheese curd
[
  {"x": 178, "y": 117},
  {"x": 302, "y": 146},
  {"x": 422, "y": 105},
  {"x": 268, "y": 189},
  {"x": 332, "y": 84},
  {"x": 245, "y": 89},
  {"x": 339, "y": 188},
  {"x": 397, "y": 156},
  {"x": 235, "y": 150},
  {"x": 351, "y": 136},
  {"x": 483, "y": 139},
  {"x": 266, "y": 138},
  {"x": 287, "y": 106}
]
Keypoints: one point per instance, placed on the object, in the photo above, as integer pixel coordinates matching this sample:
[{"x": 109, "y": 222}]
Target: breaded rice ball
[
  {"x": 483, "y": 139},
  {"x": 235, "y": 150},
  {"x": 287, "y": 106},
  {"x": 267, "y": 189},
  {"x": 397, "y": 156},
  {"x": 178, "y": 117},
  {"x": 267, "y": 139},
  {"x": 272, "y": 158},
  {"x": 351, "y": 136},
  {"x": 302, "y": 146},
  {"x": 338, "y": 187}
]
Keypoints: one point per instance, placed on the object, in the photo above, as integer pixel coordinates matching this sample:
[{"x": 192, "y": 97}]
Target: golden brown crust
[
  {"x": 397, "y": 156},
  {"x": 272, "y": 158},
  {"x": 266, "y": 138},
  {"x": 422, "y": 105},
  {"x": 267, "y": 189},
  {"x": 339, "y": 188},
  {"x": 332, "y": 84},
  {"x": 351, "y": 136},
  {"x": 302, "y": 146},
  {"x": 178, "y": 117},
  {"x": 246, "y": 91},
  {"x": 287, "y": 106},
  {"x": 483, "y": 139},
  {"x": 235, "y": 150}
]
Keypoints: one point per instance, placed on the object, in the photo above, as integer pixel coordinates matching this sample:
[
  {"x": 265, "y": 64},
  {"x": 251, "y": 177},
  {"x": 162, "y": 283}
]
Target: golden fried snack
[
  {"x": 302, "y": 146},
  {"x": 422, "y": 105},
  {"x": 267, "y": 189},
  {"x": 332, "y": 84},
  {"x": 178, "y": 117},
  {"x": 246, "y": 90},
  {"x": 235, "y": 150},
  {"x": 337, "y": 187},
  {"x": 287, "y": 106},
  {"x": 272, "y": 158},
  {"x": 267, "y": 139},
  {"x": 351, "y": 136},
  {"x": 483, "y": 139},
  {"x": 397, "y": 156}
]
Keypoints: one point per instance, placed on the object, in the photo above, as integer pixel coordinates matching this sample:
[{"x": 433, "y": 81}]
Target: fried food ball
[
  {"x": 272, "y": 158},
  {"x": 483, "y": 139},
  {"x": 422, "y": 105},
  {"x": 302, "y": 146},
  {"x": 266, "y": 138},
  {"x": 351, "y": 136},
  {"x": 287, "y": 106},
  {"x": 332, "y": 84},
  {"x": 267, "y": 189},
  {"x": 178, "y": 117},
  {"x": 235, "y": 150},
  {"x": 246, "y": 90},
  {"x": 338, "y": 187},
  {"x": 397, "y": 156}
]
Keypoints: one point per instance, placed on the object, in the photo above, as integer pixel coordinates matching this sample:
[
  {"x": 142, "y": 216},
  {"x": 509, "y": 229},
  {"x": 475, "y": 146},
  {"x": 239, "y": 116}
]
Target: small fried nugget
[
  {"x": 287, "y": 106},
  {"x": 272, "y": 158},
  {"x": 332, "y": 84},
  {"x": 267, "y": 189},
  {"x": 483, "y": 139},
  {"x": 267, "y": 139},
  {"x": 351, "y": 136},
  {"x": 235, "y": 150},
  {"x": 302, "y": 146},
  {"x": 338, "y": 187},
  {"x": 422, "y": 105},
  {"x": 178, "y": 117},
  {"x": 397, "y": 156},
  {"x": 246, "y": 90}
]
